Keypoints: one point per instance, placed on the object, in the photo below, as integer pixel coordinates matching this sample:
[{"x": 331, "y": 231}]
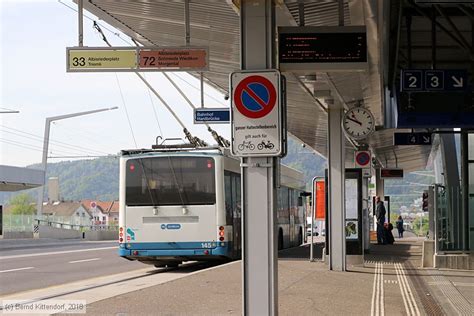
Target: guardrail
[{"x": 46, "y": 222}]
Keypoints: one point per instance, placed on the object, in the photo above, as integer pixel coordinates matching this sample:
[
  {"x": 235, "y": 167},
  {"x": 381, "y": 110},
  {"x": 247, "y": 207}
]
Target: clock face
[{"x": 358, "y": 122}]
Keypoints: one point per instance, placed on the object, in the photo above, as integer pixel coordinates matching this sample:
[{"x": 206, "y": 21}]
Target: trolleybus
[{"x": 184, "y": 204}]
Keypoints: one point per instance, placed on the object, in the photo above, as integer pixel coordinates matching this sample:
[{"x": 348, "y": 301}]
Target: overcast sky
[{"x": 34, "y": 36}]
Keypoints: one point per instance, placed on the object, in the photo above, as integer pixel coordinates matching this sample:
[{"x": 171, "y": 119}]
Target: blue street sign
[
  {"x": 434, "y": 80},
  {"x": 412, "y": 80},
  {"x": 211, "y": 116},
  {"x": 403, "y": 139}
]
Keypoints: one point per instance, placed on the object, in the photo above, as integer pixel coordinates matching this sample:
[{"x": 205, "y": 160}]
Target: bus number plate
[{"x": 208, "y": 245}]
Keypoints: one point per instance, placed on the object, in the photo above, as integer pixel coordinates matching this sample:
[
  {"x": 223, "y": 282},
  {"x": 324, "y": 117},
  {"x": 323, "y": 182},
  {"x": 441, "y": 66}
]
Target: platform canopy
[
  {"x": 216, "y": 24},
  {"x": 17, "y": 179}
]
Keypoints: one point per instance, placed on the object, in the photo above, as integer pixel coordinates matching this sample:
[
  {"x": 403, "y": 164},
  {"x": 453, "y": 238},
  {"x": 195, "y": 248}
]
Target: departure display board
[
  {"x": 391, "y": 173},
  {"x": 311, "y": 48}
]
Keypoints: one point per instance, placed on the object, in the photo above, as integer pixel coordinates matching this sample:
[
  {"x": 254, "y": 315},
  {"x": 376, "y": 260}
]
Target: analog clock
[{"x": 358, "y": 123}]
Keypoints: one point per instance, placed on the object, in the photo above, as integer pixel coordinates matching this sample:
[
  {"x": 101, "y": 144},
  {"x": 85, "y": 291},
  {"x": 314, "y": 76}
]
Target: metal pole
[
  {"x": 44, "y": 160},
  {"x": 336, "y": 171},
  {"x": 187, "y": 22},
  {"x": 464, "y": 216},
  {"x": 433, "y": 38},
  {"x": 341, "y": 12},
  {"x": 259, "y": 222},
  {"x": 409, "y": 49},
  {"x": 202, "y": 89},
  {"x": 311, "y": 251},
  {"x": 80, "y": 14},
  {"x": 301, "y": 12}
]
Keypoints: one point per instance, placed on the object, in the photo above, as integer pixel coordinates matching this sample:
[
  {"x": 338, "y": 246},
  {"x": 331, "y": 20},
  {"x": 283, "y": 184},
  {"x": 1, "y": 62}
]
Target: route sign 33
[{"x": 256, "y": 113}]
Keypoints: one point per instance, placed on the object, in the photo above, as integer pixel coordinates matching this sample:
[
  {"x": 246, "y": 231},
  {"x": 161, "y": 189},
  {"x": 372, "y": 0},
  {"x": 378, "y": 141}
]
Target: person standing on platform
[
  {"x": 380, "y": 215},
  {"x": 399, "y": 224}
]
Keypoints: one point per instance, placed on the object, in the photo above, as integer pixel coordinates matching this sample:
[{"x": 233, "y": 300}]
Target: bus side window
[
  {"x": 236, "y": 194},
  {"x": 229, "y": 203}
]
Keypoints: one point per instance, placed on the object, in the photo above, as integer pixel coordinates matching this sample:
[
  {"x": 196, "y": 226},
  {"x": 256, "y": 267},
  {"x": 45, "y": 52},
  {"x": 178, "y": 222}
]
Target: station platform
[{"x": 389, "y": 282}]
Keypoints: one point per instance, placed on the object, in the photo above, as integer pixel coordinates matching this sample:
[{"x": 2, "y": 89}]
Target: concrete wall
[
  {"x": 16, "y": 235},
  {"x": 455, "y": 261},
  {"x": 427, "y": 257},
  {"x": 58, "y": 233},
  {"x": 101, "y": 235}
]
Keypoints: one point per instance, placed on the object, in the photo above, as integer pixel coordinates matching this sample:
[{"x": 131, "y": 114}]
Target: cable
[
  {"x": 196, "y": 88},
  {"x": 60, "y": 157},
  {"x": 221, "y": 141},
  {"x": 85, "y": 134},
  {"x": 55, "y": 142},
  {"x": 154, "y": 111},
  {"x": 126, "y": 111},
  {"x": 102, "y": 26},
  {"x": 33, "y": 147}
]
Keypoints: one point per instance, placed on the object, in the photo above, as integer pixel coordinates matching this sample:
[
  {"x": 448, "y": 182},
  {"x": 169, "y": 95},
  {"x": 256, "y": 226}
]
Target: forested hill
[{"x": 99, "y": 178}]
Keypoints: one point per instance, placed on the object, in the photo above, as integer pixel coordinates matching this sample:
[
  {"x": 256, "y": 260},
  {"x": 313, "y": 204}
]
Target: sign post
[
  {"x": 256, "y": 114},
  {"x": 259, "y": 172}
]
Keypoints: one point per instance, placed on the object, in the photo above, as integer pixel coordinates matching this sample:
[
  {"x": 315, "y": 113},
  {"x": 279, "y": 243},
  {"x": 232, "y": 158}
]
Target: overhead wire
[
  {"x": 197, "y": 88},
  {"x": 89, "y": 136},
  {"x": 154, "y": 111},
  {"x": 52, "y": 142},
  {"x": 98, "y": 27},
  {"x": 221, "y": 141},
  {"x": 57, "y": 143},
  {"x": 126, "y": 111},
  {"x": 33, "y": 147}
]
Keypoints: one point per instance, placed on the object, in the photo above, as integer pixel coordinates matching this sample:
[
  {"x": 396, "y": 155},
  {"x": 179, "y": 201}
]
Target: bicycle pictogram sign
[
  {"x": 256, "y": 113},
  {"x": 255, "y": 97}
]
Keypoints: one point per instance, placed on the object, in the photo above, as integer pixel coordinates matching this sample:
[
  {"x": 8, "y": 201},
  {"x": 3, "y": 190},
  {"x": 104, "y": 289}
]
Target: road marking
[
  {"x": 11, "y": 270},
  {"x": 85, "y": 260},
  {"x": 56, "y": 253},
  {"x": 411, "y": 307},
  {"x": 377, "y": 307}
]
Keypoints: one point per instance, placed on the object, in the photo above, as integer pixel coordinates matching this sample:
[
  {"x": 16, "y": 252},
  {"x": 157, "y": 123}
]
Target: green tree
[
  {"x": 421, "y": 226},
  {"x": 22, "y": 205}
]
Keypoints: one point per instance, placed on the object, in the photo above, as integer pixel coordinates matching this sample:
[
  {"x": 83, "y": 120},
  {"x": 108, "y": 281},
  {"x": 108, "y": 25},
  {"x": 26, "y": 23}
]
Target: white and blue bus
[{"x": 185, "y": 205}]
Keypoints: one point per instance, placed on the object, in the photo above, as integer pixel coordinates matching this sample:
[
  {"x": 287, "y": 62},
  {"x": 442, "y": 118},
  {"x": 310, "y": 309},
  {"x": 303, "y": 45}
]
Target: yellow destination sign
[{"x": 103, "y": 59}]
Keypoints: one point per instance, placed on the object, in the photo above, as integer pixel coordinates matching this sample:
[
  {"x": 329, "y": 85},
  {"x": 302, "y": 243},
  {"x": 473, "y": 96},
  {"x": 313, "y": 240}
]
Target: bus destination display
[
  {"x": 323, "y": 48},
  {"x": 326, "y": 48}
]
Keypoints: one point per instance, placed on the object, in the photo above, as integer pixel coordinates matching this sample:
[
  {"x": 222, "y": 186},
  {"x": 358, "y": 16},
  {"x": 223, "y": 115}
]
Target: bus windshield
[{"x": 170, "y": 181}]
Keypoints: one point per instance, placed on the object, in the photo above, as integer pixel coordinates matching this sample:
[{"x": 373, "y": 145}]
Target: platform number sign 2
[{"x": 412, "y": 80}]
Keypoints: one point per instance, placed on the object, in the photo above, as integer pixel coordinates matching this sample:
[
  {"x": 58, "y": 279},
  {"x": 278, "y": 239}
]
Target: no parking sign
[
  {"x": 362, "y": 159},
  {"x": 256, "y": 113}
]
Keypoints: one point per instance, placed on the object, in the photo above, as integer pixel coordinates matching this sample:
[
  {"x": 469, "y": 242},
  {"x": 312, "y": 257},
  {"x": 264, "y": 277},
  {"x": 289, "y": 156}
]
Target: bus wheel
[
  {"x": 173, "y": 264},
  {"x": 280, "y": 239}
]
